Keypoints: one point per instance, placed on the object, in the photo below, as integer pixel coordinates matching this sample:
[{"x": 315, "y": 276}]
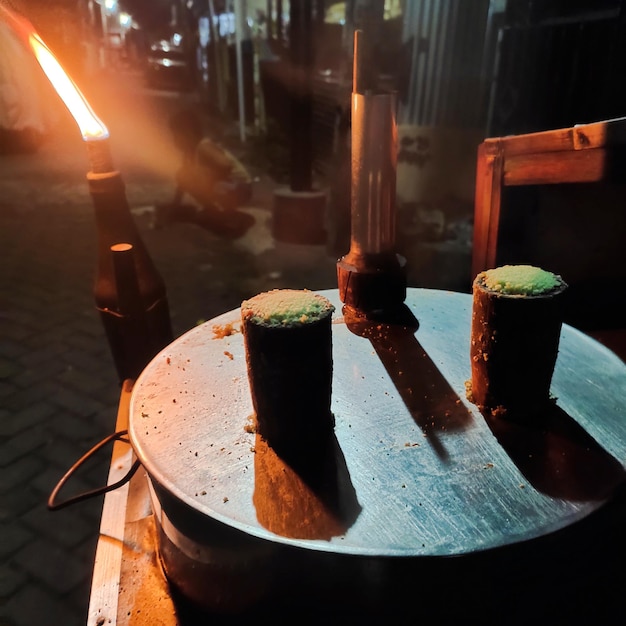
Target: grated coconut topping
[
  {"x": 286, "y": 307},
  {"x": 523, "y": 280}
]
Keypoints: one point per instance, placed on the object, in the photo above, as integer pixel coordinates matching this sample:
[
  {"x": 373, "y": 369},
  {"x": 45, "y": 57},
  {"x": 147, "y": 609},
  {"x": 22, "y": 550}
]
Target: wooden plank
[
  {"x": 545, "y": 141},
  {"x": 487, "y": 206},
  {"x": 144, "y": 598},
  {"x": 128, "y": 585},
  {"x": 598, "y": 134},
  {"x": 576, "y": 166},
  {"x": 106, "y": 575},
  {"x": 579, "y": 137}
]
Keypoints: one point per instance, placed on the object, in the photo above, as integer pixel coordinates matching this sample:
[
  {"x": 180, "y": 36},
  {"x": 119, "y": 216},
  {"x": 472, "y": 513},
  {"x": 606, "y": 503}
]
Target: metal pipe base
[{"x": 370, "y": 287}]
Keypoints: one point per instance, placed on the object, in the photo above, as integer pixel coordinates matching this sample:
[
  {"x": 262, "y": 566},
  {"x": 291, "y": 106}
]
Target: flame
[{"x": 90, "y": 126}]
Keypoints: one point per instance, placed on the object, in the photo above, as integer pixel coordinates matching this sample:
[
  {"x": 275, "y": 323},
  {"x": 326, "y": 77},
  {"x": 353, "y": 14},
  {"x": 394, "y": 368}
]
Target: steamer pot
[{"x": 413, "y": 474}]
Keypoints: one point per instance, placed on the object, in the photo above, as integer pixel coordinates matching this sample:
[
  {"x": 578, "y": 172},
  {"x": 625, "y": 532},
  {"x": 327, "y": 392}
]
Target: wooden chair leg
[{"x": 487, "y": 206}]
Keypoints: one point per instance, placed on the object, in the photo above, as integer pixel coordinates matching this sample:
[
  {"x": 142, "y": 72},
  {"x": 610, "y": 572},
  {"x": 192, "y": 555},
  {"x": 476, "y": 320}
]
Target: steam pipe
[{"x": 371, "y": 277}]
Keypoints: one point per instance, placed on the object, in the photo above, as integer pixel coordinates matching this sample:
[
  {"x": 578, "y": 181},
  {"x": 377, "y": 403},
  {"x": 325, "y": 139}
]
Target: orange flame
[{"x": 90, "y": 126}]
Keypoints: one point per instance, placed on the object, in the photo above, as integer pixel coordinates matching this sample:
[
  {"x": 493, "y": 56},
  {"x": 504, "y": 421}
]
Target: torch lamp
[
  {"x": 129, "y": 292},
  {"x": 372, "y": 277}
]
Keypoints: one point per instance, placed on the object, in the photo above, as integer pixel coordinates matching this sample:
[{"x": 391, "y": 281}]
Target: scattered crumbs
[
  {"x": 225, "y": 499},
  {"x": 409, "y": 444},
  {"x": 168, "y": 360},
  {"x": 488, "y": 465},
  {"x": 223, "y": 330},
  {"x": 499, "y": 411},
  {"x": 229, "y": 355},
  {"x": 144, "y": 415}
]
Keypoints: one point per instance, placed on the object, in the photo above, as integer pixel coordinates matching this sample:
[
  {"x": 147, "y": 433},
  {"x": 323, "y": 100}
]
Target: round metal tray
[{"x": 415, "y": 469}]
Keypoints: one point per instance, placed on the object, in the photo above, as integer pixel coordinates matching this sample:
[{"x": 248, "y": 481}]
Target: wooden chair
[{"x": 586, "y": 153}]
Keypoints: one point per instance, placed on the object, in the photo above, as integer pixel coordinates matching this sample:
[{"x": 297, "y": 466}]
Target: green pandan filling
[
  {"x": 286, "y": 307},
  {"x": 523, "y": 280}
]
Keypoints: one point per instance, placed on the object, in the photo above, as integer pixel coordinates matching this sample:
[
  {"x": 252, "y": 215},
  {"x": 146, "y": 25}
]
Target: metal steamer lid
[{"x": 414, "y": 469}]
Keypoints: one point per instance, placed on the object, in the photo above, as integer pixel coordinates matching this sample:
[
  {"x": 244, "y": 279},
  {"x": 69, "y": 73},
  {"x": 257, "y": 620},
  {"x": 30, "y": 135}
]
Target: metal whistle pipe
[
  {"x": 374, "y": 154},
  {"x": 371, "y": 277}
]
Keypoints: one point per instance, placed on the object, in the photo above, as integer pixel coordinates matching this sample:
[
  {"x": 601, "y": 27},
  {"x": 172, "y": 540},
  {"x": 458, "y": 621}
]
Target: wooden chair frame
[{"x": 580, "y": 154}]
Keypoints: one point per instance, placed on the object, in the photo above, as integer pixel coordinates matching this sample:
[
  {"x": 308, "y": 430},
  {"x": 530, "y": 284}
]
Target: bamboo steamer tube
[{"x": 514, "y": 346}]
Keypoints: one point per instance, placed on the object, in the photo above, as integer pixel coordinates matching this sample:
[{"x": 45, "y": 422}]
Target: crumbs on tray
[{"x": 224, "y": 330}]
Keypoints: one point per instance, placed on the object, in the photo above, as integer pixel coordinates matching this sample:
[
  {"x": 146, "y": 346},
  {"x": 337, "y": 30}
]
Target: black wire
[{"x": 53, "y": 505}]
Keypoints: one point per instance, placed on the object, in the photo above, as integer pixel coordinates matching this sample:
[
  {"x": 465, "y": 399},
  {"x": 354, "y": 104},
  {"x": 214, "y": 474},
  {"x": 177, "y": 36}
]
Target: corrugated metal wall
[
  {"x": 559, "y": 71},
  {"x": 446, "y": 40}
]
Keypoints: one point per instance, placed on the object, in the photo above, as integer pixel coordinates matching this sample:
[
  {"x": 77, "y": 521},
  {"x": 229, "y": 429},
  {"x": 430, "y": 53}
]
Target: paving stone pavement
[{"x": 58, "y": 385}]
